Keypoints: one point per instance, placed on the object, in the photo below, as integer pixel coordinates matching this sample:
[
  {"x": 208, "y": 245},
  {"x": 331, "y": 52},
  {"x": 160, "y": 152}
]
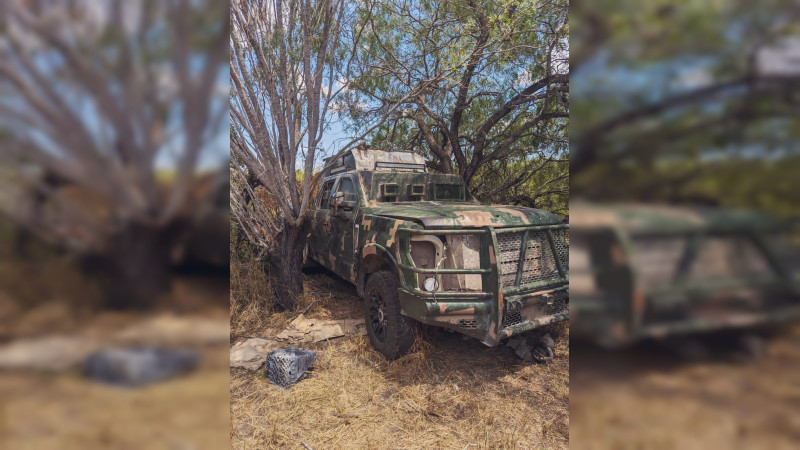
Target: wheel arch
[{"x": 374, "y": 258}]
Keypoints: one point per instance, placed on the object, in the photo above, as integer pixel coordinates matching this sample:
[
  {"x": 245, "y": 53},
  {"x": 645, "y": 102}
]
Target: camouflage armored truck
[
  {"x": 418, "y": 247},
  {"x": 642, "y": 272}
]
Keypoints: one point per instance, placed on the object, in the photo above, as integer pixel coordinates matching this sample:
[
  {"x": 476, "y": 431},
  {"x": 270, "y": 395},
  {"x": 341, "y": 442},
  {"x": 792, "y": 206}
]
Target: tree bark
[
  {"x": 285, "y": 265},
  {"x": 135, "y": 270}
]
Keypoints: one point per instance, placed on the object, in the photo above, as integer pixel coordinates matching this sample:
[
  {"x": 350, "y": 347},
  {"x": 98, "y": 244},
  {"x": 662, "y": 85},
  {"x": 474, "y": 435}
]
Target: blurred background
[
  {"x": 684, "y": 213},
  {"x": 114, "y": 223}
]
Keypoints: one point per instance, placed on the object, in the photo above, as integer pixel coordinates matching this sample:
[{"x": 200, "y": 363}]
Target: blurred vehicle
[{"x": 657, "y": 271}]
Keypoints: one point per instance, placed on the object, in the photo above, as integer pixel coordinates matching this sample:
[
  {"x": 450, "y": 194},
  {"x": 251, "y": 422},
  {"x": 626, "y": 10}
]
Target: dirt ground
[
  {"x": 65, "y": 410},
  {"x": 447, "y": 393},
  {"x": 647, "y": 397}
]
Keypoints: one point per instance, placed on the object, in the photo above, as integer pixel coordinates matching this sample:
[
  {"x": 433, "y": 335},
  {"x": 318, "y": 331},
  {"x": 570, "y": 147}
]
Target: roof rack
[{"x": 410, "y": 167}]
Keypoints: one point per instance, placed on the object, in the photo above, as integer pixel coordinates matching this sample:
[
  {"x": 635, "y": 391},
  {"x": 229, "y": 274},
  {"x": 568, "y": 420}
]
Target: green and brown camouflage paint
[
  {"x": 654, "y": 271},
  {"x": 374, "y": 235}
]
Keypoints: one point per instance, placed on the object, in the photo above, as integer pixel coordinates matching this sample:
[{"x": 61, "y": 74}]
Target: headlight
[
  {"x": 431, "y": 284},
  {"x": 447, "y": 252},
  {"x": 426, "y": 252}
]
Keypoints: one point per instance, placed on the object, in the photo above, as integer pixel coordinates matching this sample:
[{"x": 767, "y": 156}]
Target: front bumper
[
  {"x": 495, "y": 313},
  {"x": 706, "y": 307},
  {"x": 728, "y": 321}
]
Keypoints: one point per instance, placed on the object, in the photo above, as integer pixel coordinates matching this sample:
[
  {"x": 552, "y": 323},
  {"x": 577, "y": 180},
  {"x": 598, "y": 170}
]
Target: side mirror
[
  {"x": 341, "y": 206},
  {"x": 337, "y": 199}
]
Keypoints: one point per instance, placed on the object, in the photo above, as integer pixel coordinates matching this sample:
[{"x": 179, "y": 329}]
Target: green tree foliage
[
  {"x": 686, "y": 102},
  {"x": 495, "y": 105}
]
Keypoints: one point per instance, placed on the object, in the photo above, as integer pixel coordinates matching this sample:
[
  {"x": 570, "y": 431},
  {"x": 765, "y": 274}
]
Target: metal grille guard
[{"x": 493, "y": 290}]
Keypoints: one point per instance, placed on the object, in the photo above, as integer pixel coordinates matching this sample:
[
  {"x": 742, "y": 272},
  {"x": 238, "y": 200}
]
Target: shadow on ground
[{"x": 447, "y": 393}]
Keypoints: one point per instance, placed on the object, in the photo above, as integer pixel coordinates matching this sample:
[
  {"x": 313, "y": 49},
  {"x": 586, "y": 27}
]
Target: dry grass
[
  {"x": 646, "y": 397},
  {"x": 447, "y": 393},
  {"x": 47, "y": 295},
  {"x": 66, "y": 411},
  {"x": 249, "y": 295}
]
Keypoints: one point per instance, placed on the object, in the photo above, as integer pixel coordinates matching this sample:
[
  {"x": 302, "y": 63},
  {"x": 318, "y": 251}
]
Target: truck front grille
[
  {"x": 469, "y": 324},
  {"x": 560, "y": 305},
  {"x": 539, "y": 263},
  {"x": 512, "y": 319}
]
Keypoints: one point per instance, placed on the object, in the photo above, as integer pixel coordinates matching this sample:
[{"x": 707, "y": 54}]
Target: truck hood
[{"x": 457, "y": 214}]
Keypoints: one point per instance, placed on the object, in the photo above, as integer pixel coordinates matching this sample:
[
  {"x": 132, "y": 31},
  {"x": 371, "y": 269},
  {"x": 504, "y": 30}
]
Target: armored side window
[
  {"x": 325, "y": 194},
  {"x": 415, "y": 192},
  {"x": 389, "y": 192}
]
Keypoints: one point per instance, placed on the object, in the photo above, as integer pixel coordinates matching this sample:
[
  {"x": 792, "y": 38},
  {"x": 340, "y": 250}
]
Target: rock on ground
[
  {"x": 52, "y": 353},
  {"x": 251, "y": 354},
  {"x": 63, "y": 352}
]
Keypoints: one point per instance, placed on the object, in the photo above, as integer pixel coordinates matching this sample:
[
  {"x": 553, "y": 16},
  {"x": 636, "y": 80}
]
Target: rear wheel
[{"x": 390, "y": 332}]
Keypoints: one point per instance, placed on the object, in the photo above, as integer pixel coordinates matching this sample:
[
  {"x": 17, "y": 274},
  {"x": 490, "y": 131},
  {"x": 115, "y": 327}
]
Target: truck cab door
[
  {"x": 343, "y": 208},
  {"x": 320, "y": 226}
]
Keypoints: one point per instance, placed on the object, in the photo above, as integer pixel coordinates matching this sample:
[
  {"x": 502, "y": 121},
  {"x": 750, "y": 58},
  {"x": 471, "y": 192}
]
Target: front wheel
[{"x": 390, "y": 332}]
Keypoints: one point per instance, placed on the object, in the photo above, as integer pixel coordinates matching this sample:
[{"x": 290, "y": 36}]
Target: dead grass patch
[
  {"x": 446, "y": 393},
  {"x": 48, "y": 295},
  {"x": 66, "y": 411},
  {"x": 646, "y": 397}
]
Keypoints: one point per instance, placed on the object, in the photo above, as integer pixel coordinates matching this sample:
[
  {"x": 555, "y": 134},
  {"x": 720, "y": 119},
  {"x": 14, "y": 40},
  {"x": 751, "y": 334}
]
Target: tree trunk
[
  {"x": 285, "y": 264},
  {"x": 135, "y": 269}
]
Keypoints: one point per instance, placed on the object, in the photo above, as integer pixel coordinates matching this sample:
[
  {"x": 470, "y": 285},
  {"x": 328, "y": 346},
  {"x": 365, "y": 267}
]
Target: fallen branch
[
  {"x": 415, "y": 408},
  {"x": 305, "y": 310},
  {"x": 344, "y": 416},
  {"x": 420, "y": 411}
]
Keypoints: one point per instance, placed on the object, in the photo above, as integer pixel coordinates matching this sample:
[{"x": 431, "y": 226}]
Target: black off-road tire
[{"x": 390, "y": 332}]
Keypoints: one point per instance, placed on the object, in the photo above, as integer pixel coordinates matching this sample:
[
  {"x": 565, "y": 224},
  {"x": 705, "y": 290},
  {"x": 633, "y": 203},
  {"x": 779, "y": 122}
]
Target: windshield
[{"x": 449, "y": 192}]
